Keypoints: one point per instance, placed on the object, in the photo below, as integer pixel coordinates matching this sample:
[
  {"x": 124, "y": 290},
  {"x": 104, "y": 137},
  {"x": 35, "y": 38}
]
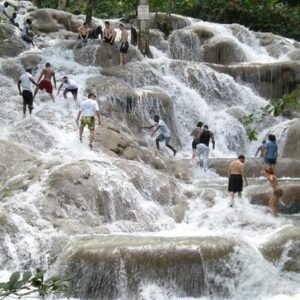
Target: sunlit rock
[
  {"x": 12, "y": 69},
  {"x": 30, "y": 60},
  {"x": 178, "y": 263},
  {"x": 294, "y": 54},
  {"x": 283, "y": 249},
  {"x": 10, "y": 40},
  {"x": 292, "y": 143},
  {"x": 157, "y": 39},
  {"x": 224, "y": 51}
]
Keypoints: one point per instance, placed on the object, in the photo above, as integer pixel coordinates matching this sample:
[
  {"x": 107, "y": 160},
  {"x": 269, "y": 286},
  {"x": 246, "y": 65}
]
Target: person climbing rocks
[
  {"x": 236, "y": 176},
  {"x": 124, "y": 45},
  {"x": 261, "y": 149},
  {"x": 45, "y": 84},
  {"x": 70, "y": 86},
  {"x": 12, "y": 20},
  {"x": 203, "y": 146},
  {"x": 26, "y": 92},
  {"x": 28, "y": 35},
  {"x": 3, "y": 12},
  {"x": 165, "y": 134},
  {"x": 109, "y": 33},
  {"x": 277, "y": 190},
  {"x": 271, "y": 151},
  {"x": 88, "y": 109},
  {"x": 196, "y": 133}
]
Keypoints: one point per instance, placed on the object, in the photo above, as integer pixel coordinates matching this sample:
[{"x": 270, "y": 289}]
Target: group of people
[{"x": 108, "y": 36}]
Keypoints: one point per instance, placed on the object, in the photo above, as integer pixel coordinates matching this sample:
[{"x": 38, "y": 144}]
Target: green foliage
[
  {"x": 276, "y": 108},
  {"x": 29, "y": 283}
]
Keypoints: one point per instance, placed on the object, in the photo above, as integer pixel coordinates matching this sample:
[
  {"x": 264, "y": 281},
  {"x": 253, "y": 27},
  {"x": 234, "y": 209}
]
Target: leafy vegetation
[
  {"x": 279, "y": 17},
  {"x": 21, "y": 285},
  {"x": 280, "y": 107}
]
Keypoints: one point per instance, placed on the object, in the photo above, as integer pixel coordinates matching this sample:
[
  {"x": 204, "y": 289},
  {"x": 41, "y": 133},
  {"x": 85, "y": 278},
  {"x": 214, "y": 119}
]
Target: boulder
[
  {"x": 157, "y": 39},
  {"x": 11, "y": 68},
  {"x": 176, "y": 262},
  {"x": 48, "y": 20},
  {"x": 224, "y": 51},
  {"x": 30, "y": 60},
  {"x": 283, "y": 249},
  {"x": 294, "y": 54},
  {"x": 11, "y": 42},
  {"x": 292, "y": 143},
  {"x": 285, "y": 167},
  {"x": 270, "y": 80},
  {"x": 289, "y": 202},
  {"x": 101, "y": 54}
]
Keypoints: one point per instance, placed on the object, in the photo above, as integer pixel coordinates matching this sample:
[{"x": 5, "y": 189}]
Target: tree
[
  {"x": 89, "y": 11},
  {"x": 143, "y": 24}
]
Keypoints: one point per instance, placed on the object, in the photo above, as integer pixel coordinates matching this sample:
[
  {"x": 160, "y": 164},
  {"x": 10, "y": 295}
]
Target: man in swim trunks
[
  {"x": 109, "y": 33},
  {"x": 45, "y": 83},
  {"x": 165, "y": 134},
  {"x": 70, "y": 86},
  {"x": 88, "y": 109},
  {"x": 83, "y": 31},
  {"x": 124, "y": 45},
  {"x": 203, "y": 146},
  {"x": 25, "y": 82},
  {"x": 195, "y": 133},
  {"x": 236, "y": 176}
]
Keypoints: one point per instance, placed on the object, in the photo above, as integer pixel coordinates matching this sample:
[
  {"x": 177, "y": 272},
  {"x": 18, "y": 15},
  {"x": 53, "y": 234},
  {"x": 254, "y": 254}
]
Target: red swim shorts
[{"x": 46, "y": 85}]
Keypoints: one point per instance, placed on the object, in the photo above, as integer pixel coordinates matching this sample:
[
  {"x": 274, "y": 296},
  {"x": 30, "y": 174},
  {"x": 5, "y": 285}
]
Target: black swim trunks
[
  {"x": 235, "y": 183},
  {"x": 124, "y": 47},
  {"x": 73, "y": 91},
  {"x": 195, "y": 143},
  {"x": 109, "y": 40},
  {"x": 27, "y": 98}
]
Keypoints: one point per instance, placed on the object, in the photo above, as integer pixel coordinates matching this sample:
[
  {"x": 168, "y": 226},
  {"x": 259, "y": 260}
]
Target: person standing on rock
[
  {"x": 165, "y": 134},
  {"x": 88, "y": 109},
  {"x": 277, "y": 190},
  {"x": 236, "y": 175},
  {"x": 261, "y": 149},
  {"x": 70, "y": 86},
  {"x": 45, "y": 84},
  {"x": 196, "y": 133},
  {"x": 124, "y": 45},
  {"x": 109, "y": 33},
  {"x": 271, "y": 151},
  {"x": 26, "y": 92},
  {"x": 203, "y": 146}
]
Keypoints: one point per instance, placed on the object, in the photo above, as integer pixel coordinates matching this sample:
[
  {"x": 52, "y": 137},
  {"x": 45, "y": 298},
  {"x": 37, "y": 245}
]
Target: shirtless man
[
  {"x": 236, "y": 176},
  {"x": 83, "y": 31},
  {"x": 45, "y": 83},
  {"x": 109, "y": 33},
  {"x": 124, "y": 45}
]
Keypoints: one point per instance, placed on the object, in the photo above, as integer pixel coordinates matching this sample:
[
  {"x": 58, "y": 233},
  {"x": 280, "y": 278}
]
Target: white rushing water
[{"x": 212, "y": 98}]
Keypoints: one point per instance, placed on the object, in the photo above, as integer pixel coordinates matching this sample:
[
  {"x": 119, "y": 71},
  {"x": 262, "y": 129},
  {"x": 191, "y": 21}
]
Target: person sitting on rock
[
  {"x": 28, "y": 34},
  {"x": 109, "y": 33},
  {"x": 70, "y": 86},
  {"x": 3, "y": 11},
  {"x": 84, "y": 31},
  {"x": 45, "y": 84},
  {"x": 165, "y": 134},
  {"x": 94, "y": 34},
  {"x": 13, "y": 20},
  {"x": 277, "y": 190}
]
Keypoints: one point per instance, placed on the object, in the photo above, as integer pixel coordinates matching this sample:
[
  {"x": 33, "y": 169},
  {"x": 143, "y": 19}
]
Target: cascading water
[{"x": 126, "y": 229}]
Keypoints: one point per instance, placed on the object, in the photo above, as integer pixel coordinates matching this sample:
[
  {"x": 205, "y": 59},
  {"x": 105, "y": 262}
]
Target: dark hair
[
  {"x": 28, "y": 70},
  {"x": 269, "y": 170},
  {"x": 199, "y": 124},
  {"x": 156, "y": 118},
  {"x": 65, "y": 78},
  {"x": 47, "y": 65},
  {"x": 6, "y": 4},
  {"x": 106, "y": 23},
  {"x": 241, "y": 157},
  {"x": 272, "y": 137},
  {"x": 205, "y": 127},
  {"x": 263, "y": 141},
  {"x": 121, "y": 25},
  {"x": 91, "y": 95},
  {"x": 85, "y": 23}
]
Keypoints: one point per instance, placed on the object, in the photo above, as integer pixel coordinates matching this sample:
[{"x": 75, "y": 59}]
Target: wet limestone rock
[
  {"x": 290, "y": 201},
  {"x": 48, "y": 20},
  {"x": 178, "y": 262},
  {"x": 3, "y": 218},
  {"x": 292, "y": 143},
  {"x": 285, "y": 167},
  {"x": 283, "y": 248},
  {"x": 11, "y": 42},
  {"x": 294, "y": 54},
  {"x": 224, "y": 51},
  {"x": 11, "y": 68},
  {"x": 30, "y": 60}
]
